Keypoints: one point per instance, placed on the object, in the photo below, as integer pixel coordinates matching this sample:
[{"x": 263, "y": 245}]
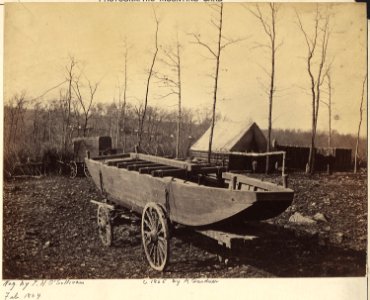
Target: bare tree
[
  {"x": 320, "y": 34},
  {"x": 14, "y": 125},
  {"x": 179, "y": 115},
  {"x": 154, "y": 121},
  {"x": 359, "y": 124},
  {"x": 172, "y": 59},
  {"x": 222, "y": 43},
  {"x": 85, "y": 102},
  {"x": 329, "y": 105},
  {"x": 36, "y": 126},
  {"x": 269, "y": 27},
  {"x": 150, "y": 74},
  {"x": 122, "y": 105},
  {"x": 77, "y": 115},
  {"x": 66, "y": 104},
  {"x": 138, "y": 110},
  {"x": 14, "y": 114}
]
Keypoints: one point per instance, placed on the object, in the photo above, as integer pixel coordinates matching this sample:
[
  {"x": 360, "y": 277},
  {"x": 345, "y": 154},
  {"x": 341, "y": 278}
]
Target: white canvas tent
[{"x": 231, "y": 136}]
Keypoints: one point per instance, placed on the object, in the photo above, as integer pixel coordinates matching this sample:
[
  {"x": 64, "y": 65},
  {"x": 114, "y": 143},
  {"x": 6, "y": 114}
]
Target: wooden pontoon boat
[{"x": 190, "y": 194}]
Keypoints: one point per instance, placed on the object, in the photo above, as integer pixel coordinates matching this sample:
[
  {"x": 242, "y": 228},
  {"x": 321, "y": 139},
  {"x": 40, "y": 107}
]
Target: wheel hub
[{"x": 153, "y": 235}]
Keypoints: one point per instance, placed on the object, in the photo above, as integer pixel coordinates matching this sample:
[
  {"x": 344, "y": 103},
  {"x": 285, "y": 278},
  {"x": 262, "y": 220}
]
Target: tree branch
[{"x": 199, "y": 42}]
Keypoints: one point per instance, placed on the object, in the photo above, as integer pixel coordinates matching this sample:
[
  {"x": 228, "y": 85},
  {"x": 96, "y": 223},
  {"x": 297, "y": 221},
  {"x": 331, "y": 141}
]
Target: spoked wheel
[
  {"x": 73, "y": 168},
  {"x": 155, "y": 236},
  {"x": 105, "y": 226},
  {"x": 86, "y": 171}
]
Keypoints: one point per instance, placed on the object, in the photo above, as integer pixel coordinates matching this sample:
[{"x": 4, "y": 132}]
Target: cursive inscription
[
  {"x": 32, "y": 289},
  {"x": 177, "y": 282}
]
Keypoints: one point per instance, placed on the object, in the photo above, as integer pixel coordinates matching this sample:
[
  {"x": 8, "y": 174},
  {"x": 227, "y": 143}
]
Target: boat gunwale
[
  {"x": 275, "y": 188},
  {"x": 176, "y": 186}
]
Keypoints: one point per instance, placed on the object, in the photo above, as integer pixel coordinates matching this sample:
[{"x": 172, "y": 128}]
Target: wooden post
[
  {"x": 328, "y": 169},
  {"x": 285, "y": 180},
  {"x": 283, "y": 166},
  {"x": 88, "y": 154},
  {"x": 283, "y": 153},
  {"x": 284, "y": 176},
  {"x": 233, "y": 183}
]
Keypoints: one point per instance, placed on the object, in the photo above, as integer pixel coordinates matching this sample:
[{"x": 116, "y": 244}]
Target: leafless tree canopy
[
  {"x": 269, "y": 26},
  {"x": 171, "y": 81},
  {"x": 317, "y": 45},
  {"x": 215, "y": 52},
  {"x": 34, "y": 127}
]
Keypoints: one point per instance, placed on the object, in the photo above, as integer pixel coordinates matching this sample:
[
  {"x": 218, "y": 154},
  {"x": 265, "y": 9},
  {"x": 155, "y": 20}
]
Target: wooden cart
[
  {"x": 98, "y": 145},
  {"x": 166, "y": 192}
]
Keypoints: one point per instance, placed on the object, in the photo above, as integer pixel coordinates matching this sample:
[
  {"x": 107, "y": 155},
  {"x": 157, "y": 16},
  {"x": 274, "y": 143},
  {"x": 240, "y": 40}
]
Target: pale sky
[{"x": 39, "y": 37}]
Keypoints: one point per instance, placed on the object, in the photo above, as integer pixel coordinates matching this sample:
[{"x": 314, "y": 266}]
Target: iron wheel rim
[{"x": 155, "y": 236}]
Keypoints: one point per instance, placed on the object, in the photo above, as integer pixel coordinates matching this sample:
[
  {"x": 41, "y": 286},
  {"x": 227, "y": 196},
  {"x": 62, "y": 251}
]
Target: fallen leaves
[{"x": 50, "y": 231}]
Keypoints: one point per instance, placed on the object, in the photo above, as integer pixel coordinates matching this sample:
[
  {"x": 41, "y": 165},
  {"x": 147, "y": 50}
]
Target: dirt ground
[{"x": 50, "y": 232}]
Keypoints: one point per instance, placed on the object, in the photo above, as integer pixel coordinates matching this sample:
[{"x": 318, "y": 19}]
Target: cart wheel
[
  {"x": 105, "y": 226},
  {"x": 155, "y": 236},
  {"x": 86, "y": 171},
  {"x": 73, "y": 167}
]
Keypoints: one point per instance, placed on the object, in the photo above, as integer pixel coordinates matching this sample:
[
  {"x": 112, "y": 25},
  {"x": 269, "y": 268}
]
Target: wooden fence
[{"x": 338, "y": 159}]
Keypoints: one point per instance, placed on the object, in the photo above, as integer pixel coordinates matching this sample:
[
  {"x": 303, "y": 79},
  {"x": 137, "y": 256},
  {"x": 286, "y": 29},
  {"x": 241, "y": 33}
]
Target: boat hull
[{"x": 186, "y": 203}]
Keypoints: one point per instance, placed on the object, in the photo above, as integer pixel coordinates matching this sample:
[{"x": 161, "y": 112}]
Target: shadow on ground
[{"x": 281, "y": 253}]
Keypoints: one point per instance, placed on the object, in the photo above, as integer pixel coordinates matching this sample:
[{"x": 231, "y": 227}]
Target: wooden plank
[
  {"x": 262, "y": 185},
  {"x": 136, "y": 166},
  {"x": 103, "y": 157},
  {"x": 148, "y": 170},
  {"x": 116, "y": 161},
  {"x": 210, "y": 181},
  {"x": 226, "y": 238},
  {"x": 128, "y": 163},
  {"x": 166, "y": 161},
  {"x": 109, "y": 206},
  {"x": 171, "y": 173},
  {"x": 207, "y": 170},
  {"x": 27, "y": 176},
  {"x": 251, "y": 154}
]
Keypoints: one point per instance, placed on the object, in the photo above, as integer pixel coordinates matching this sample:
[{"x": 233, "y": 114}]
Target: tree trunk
[
  {"x": 311, "y": 155},
  {"x": 124, "y": 106},
  {"x": 272, "y": 83},
  {"x": 329, "y": 135},
  {"x": 215, "y": 87},
  {"x": 179, "y": 117},
  {"x": 85, "y": 126},
  {"x": 141, "y": 125},
  {"x": 359, "y": 126}
]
